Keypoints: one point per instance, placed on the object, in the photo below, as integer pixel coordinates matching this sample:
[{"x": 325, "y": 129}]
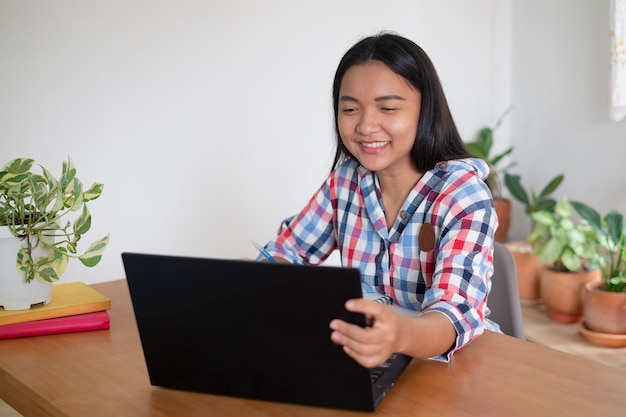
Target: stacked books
[{"x": 75, "y": 307}]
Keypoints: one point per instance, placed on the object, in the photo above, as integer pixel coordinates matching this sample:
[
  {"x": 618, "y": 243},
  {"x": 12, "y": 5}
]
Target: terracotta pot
[
  {"x": 503, "y": 211},
  {"x": 528, "y": 269},
  {"x": 562, "y": 293},
  {"x": 604, "y": 311}
]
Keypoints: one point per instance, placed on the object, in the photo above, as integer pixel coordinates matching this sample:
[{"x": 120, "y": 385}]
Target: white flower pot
[{"x": 15, "y": 293}]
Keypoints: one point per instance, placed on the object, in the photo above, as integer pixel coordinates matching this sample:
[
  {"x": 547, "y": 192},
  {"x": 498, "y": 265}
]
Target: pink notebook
[{"x": 98, "y": 320}]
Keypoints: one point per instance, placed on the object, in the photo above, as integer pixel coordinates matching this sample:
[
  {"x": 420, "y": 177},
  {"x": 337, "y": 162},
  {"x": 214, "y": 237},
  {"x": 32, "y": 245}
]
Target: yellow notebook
[{"x": 67, "y": 300}]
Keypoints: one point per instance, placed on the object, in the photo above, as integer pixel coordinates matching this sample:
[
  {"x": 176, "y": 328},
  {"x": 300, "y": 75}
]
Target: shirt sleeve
[
  {"x": 462, "y": 277},
  {"x": 309, "y": 236}
]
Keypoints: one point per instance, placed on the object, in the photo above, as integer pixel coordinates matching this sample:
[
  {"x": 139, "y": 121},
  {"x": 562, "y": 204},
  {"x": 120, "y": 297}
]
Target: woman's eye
[
  {"x": 349, "y": 110},
  {"x": 388, "y": 109}
]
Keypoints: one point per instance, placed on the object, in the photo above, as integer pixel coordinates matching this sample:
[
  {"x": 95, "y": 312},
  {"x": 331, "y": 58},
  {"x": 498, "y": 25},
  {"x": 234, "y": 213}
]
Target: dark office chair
[{"x": 503, "y": 299}]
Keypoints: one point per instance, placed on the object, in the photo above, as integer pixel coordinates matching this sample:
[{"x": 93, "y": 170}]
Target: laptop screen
[{"x": 247, "y": 329}]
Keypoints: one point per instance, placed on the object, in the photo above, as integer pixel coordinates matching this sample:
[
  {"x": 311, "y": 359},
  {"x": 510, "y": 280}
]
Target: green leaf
[
  {"x": 47, "y": 274},
  {"x": 536, "y": 234},
  {"x": 543, "y": 217},
  {"x": 615, "y": 227},
  {"x": 60, "y": 262},
  {"x": 40, "y": 195},
  {"x": 551, "y": 251},
  {"x": 10, "y": 179},
  {"x": 563, "y": 208},
  {"x": 590, "y": 215},
  {"x": 513, "y": 184},
  {"x": 93, "y": 255},
  {"x": 476, "y": 150},
  {"x": 545, "y": 205},
  {"x": 551, "y": 186},
  {"x": 93, "y": 192},
  {"x": 19, "y": 165},
  {"x": 24, "y": 264},
  {"x": 91, "y": 261},
  {"x": 617, "y": 280},
  {"x": 58, "y": 203},
  {"x": 75, "y": 200},
  {"x": 571, "y": 260},
  {"x": 496, "y": 159},
  {"x": 82, "y": 224},
  {"x": 53, "y": 191},
  {"x": 71, "y": 247},
  {"x": 485, "y": 139},
  {"x": 68, "y": 173},
  {"x": 567, "y": 224}
]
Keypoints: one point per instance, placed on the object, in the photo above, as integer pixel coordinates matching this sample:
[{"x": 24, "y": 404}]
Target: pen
[
  {"x": 384, "y": 299},
  {"x": 265, "y": 253}
]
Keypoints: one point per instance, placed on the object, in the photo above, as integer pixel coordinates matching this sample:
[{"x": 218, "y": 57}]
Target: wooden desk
[{"x": 102, "y": 373}]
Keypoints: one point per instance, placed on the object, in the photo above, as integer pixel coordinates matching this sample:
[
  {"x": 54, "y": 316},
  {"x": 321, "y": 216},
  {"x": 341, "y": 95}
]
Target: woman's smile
[{"x": 374, "y": 147}]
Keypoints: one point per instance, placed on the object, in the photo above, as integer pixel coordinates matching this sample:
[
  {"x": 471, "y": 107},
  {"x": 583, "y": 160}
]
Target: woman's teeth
[{"x": 375, "y": 144}]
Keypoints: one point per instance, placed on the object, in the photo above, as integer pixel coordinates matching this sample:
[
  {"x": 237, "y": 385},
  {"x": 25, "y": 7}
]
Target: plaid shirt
[{"x": 450, "y": 273}]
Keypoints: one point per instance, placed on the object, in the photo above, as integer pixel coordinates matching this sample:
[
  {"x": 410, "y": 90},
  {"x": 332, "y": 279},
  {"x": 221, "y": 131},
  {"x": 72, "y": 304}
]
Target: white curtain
[{"x": 618, "y": 60}]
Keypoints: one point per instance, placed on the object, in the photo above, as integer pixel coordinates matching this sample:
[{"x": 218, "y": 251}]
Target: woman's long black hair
[{"x": 437, "y": 137}]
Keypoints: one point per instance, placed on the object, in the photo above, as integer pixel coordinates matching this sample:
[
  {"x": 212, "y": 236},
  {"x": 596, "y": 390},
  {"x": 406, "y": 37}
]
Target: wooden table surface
[
  {"x": 539, "y": 328},
  {"x": 103, "y": 373}
]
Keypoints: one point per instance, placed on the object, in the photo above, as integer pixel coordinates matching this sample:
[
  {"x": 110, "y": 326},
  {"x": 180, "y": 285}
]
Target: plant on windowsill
[
  {"x": 482, "y": 148},
  {"x": 42, "y": 218},
  {"x": 604, "y": 303},
  {"x": 569, "y": 251},
  {"x": 527, "y": 264}
]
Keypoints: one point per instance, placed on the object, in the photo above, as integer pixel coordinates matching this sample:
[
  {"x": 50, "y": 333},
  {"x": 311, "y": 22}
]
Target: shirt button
[
  {"x": 443, "y": 165},
  {"x": 402, "y": 214}
]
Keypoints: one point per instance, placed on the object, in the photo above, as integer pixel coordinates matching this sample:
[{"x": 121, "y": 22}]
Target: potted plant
[
  {"x": 604, "y": 303},
  {"x": 527, "y": 263},
  {"x": 481, "y": 147},
  {"x": 570, "y": 255},
  {"x": 42, "y": 219}
]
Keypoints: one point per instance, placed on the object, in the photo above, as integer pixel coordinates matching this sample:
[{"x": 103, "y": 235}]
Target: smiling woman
[{"x": 400, "y": 170}]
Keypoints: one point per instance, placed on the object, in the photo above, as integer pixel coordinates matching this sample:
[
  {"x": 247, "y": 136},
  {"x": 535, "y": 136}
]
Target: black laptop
[{"x": 253, "y": 330}]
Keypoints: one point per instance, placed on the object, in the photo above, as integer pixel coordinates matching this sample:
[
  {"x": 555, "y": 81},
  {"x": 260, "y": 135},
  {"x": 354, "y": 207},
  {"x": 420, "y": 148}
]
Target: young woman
[{"x": 405, "y": 204}]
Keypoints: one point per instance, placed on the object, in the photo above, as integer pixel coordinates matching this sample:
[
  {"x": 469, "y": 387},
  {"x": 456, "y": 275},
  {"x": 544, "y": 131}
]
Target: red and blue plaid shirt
[{"x": 450, "y": 273}]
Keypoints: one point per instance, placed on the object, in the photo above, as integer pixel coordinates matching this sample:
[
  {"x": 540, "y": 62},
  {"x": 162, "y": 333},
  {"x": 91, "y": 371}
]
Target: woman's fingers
[{"x": 369, "y": 346}]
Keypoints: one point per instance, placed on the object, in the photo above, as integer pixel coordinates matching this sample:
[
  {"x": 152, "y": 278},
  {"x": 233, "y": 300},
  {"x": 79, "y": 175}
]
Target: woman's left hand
[{"x": 369, "y": 346}]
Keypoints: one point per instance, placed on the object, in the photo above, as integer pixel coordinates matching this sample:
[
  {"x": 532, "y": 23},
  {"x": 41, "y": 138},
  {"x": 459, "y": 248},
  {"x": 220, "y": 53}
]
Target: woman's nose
[{"x": 368, "y": 123}]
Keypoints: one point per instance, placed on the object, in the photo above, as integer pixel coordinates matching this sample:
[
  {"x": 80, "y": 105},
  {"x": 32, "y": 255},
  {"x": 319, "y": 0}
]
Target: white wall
[
  {"x": 209, "y": 122},
  {"x": 561, "y": 99}
]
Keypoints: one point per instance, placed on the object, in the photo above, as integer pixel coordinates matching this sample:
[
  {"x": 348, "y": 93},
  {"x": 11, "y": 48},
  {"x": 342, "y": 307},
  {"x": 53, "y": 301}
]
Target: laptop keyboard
[
  {"x": 379, "y": 370},
  {"x": 375, "y": 374}
]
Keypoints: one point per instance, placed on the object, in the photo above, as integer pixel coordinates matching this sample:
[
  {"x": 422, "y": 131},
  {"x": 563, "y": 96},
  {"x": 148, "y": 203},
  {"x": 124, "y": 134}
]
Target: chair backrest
[{"x": 503, "y": 300}]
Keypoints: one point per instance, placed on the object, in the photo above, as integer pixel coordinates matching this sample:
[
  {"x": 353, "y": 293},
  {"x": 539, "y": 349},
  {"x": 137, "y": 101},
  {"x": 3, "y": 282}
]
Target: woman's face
[{"x": 378, "y": 116}]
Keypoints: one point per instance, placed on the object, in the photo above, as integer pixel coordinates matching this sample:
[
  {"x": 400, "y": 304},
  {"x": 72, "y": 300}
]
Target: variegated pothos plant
[{"x": 48, "y": 213}]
